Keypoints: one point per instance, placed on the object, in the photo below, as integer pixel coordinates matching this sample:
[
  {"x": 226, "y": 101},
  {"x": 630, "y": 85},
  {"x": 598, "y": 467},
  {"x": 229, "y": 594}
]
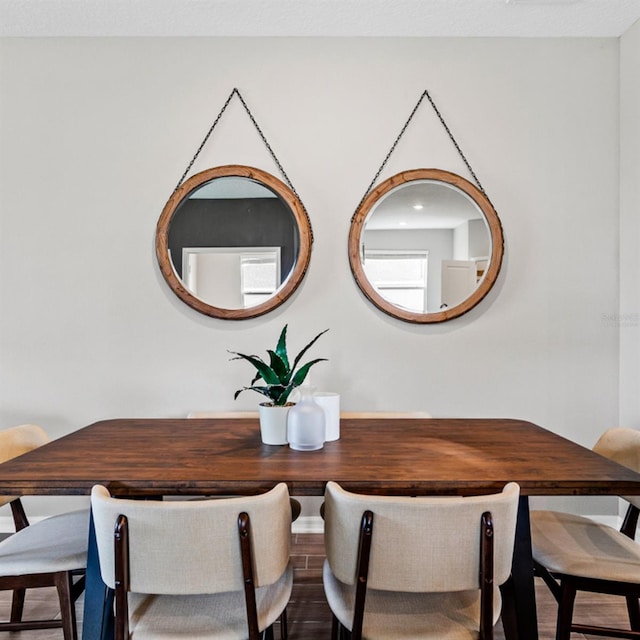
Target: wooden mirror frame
[
  {"x": 236, "y": 171},
  {"x": 367, "y": 206}
]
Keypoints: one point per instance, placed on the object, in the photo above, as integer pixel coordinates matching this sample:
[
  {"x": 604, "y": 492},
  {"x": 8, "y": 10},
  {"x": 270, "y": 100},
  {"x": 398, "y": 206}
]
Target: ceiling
[
  {"x": 422, "y": 204},
  {"x": 396, "y": 18}
]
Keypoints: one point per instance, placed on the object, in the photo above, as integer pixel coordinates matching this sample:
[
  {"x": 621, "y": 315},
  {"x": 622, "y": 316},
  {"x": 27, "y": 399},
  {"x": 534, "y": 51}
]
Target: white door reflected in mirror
[{"x": 459, "y": 280}]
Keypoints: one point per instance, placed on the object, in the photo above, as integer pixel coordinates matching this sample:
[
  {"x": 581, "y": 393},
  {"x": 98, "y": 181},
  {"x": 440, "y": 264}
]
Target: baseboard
[{"x": 308, "y": 524}]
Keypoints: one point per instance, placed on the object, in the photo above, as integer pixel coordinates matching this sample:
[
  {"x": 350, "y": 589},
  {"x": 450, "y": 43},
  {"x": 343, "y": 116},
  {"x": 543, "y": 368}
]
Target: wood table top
[{"x": 400, "y": 456}]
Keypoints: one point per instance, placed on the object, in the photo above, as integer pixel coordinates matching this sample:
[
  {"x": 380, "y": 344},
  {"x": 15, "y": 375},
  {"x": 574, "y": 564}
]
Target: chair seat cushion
[
  {"x": 392, "y": 615},
  {"x": 577, "y": 546},
  {"x": 58, "y": 543},
  {"x": 219, "y": 616}
]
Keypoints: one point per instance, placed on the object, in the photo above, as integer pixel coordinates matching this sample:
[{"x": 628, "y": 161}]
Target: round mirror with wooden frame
[
  {"x": 233, "y": 242},
  {"x": 425, "y": 246}
]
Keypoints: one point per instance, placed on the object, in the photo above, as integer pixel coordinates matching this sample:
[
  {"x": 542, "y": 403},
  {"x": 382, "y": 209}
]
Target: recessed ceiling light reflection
[{"x": 418, "y": 207}]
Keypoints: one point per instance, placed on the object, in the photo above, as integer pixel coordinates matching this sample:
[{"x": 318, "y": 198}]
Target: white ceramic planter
[{"x": 273, "y": 423}]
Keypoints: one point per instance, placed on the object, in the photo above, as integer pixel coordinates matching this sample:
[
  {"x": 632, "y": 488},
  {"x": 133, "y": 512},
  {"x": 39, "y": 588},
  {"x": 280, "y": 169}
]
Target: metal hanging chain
[
  {"x": 235, "y": 92},
  {"x": 455, "y": 144},
  {"x": 213, "y": 126},
  {"x": 266, "y": 144},
  {"x": 424, "y": 95}
]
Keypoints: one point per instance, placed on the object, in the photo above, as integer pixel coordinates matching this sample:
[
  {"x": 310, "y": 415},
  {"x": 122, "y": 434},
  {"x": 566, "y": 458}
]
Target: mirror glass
[
  {"x": 425, "y": 246},
  {"x": 233, "y": 242}
]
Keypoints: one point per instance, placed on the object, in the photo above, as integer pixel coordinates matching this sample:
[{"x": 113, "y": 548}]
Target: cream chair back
[
  {"x": 419, "y": 544},
  {"x": 18, "y": 440},
  {"x": 192, "y": 547},
  {"x": 622, "y": 445}
]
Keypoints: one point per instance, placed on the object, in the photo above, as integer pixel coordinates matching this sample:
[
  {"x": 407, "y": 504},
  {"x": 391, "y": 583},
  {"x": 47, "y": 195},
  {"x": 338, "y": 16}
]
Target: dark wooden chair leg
[
  {"x": 17, "y": 604},
  {"x": 335, "y": 628},
  {"x": 78, "y": 585},
  {"x": 630, "y": 523},
  {"x": 64, "y": 585},
  {"x": 19, "y": 516},
  {"x": 338, "y": 631},
  {"x": 284, "y": 631},
  {"x": 633, "y": 607},
  {"x": 565, "y": 610}
]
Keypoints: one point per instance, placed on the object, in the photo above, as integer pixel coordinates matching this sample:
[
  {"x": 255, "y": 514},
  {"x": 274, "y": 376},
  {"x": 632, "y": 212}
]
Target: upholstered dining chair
[
  {"x": 424, "y": 567},
  {"x": 208, "y": 569},
  {"x": 49, "y": 553},
  {"x": 573, "y": 553}
]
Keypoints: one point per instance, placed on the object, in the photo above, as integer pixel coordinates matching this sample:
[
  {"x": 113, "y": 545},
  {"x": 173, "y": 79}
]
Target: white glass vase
[{"x": 306, "y": 423}]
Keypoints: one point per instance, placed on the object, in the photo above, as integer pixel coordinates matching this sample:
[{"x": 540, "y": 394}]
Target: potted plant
[{"x": 276, "y": 380}]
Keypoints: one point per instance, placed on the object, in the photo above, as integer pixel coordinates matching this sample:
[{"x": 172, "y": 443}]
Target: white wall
[
  {"x": 479, "y": 239},
  {"x": 629, "y": 318},
  {"x": 94, "y": 134}
]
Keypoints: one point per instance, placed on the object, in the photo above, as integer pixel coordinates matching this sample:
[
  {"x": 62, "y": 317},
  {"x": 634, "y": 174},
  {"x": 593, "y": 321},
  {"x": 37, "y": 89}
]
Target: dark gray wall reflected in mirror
[
  {"x": 257, "y": 221},
  {"x": 233, "y": 242}
]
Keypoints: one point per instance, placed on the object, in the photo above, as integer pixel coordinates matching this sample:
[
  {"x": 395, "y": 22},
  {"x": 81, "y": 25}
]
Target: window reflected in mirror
[{"x": 399, "y": 276}]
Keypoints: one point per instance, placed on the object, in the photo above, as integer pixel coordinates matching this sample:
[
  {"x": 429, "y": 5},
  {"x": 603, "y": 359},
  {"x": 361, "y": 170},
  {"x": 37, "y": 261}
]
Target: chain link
[
  {"x": 393, "y": 146},
  {"x": 455, "y": 144},
  {"x": 425, "y": 94},
  {"x": 213, "y": 126},
  {"x": 266, "y": 144},
  {"x": 235, "y": 92}
]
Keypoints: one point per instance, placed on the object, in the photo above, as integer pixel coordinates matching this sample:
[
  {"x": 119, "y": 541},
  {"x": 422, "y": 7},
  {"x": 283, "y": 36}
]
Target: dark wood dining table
[{"x": 159, "y": 457}]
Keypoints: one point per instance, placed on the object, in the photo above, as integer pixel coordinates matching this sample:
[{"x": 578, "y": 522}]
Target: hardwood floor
[{"x": 308, "y": 612}]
